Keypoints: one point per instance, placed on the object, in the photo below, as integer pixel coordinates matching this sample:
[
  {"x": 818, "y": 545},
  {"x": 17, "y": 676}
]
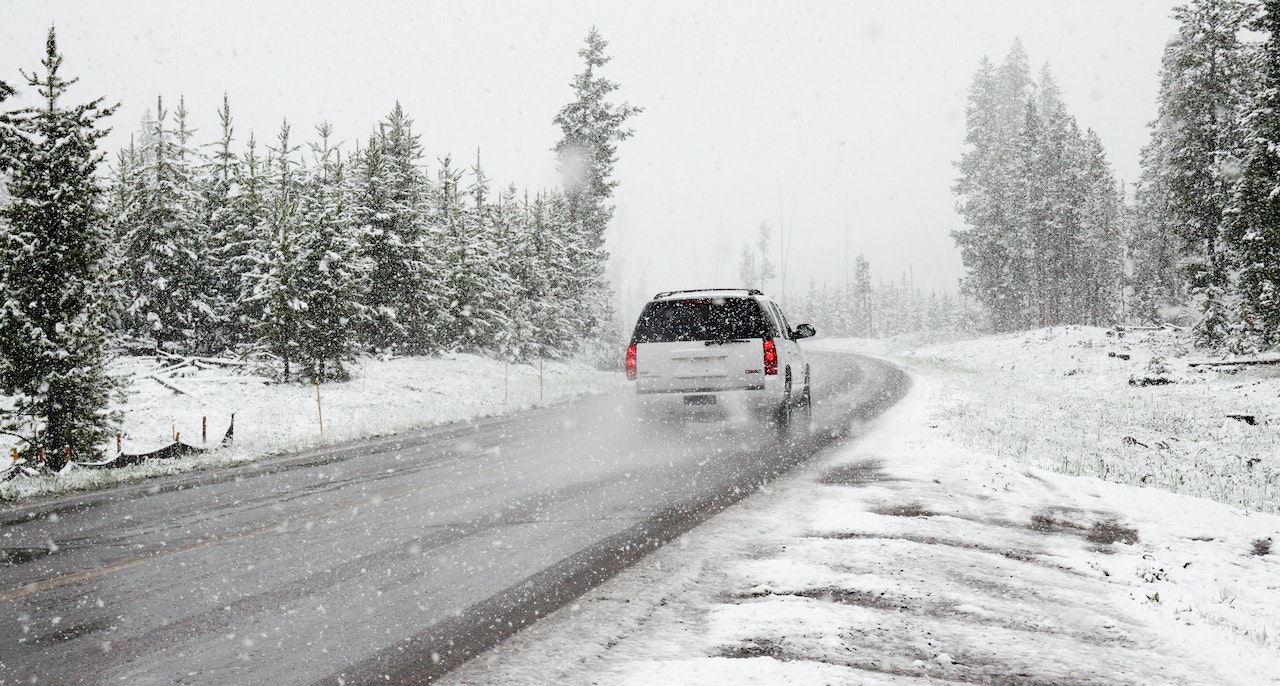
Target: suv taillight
[
  {"x": 770, "y": 357},
  {"x": 631, "y": 362}
]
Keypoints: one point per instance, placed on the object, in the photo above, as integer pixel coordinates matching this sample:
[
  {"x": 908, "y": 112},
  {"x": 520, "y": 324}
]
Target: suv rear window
[{"x": 701, "y": 319}]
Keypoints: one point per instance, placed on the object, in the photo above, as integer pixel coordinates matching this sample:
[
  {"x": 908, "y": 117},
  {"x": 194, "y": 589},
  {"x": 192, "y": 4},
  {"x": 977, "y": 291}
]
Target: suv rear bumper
[
  {"x": 711, "y": 404},
  {"x": 686, "y": 391}
]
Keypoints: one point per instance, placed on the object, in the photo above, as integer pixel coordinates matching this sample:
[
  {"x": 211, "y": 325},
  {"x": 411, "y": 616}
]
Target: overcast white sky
[{"x": 839, "y": 120}]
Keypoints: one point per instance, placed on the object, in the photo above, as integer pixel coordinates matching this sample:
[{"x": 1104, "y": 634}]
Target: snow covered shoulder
[
  {"x": 969, "y": 540},
  {"x": 194, "y": 404}
]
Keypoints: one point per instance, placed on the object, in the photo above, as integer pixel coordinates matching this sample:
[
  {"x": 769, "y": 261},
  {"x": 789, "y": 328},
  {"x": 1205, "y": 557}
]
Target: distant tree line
[
  {"x": 859, "y": 308},
  {"x": 300, "y": 250}
]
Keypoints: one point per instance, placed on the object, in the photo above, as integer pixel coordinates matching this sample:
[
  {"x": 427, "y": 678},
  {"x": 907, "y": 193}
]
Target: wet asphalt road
[{"x": 386, "y": 561}]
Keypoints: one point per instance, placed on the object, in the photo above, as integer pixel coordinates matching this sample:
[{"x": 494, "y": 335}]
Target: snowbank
[{"x": 384, "y": 397}]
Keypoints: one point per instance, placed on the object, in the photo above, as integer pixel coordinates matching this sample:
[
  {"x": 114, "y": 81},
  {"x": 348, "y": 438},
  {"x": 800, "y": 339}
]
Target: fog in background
[{"x": 836, "y": 123}]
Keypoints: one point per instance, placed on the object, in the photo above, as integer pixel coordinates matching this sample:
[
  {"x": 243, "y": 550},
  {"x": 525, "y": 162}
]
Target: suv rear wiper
[{"x": 727, "y": 340}]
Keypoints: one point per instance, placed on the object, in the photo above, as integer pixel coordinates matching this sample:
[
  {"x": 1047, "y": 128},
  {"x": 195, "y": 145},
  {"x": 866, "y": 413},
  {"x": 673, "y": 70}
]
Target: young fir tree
[
  {"x": 591, "y": 126},
  {"x": 391, "y": 200},
  {"x": 277, "y": 258},
  {"x": 483, "y": 286},
  {"x": 332, "y": 277},
  {"x": 165, "y": 240},
  {"x": 228, "y": 238},
  {"x": 53, "y": 238},
  {"x": 1254, "y": 221},
  {"x": 250, "y": 228}
]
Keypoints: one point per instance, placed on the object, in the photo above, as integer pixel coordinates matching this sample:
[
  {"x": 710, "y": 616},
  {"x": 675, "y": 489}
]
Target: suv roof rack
[{"x": 748, "y": 291}]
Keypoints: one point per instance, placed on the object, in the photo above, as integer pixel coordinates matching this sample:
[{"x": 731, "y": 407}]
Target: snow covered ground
[
  {"x": 384, "y": 397},
  {"x": 1025, "y": 515}
]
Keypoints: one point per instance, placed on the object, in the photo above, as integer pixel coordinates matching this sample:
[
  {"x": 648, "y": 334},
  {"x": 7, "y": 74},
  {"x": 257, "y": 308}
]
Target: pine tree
[
  {"x": 391, "y": 204},
  {"x": 990, "y": 201},
  {"x": 863, "y": 319},
  {"x": 479, "y": 279},
  {"x": 53, "y": 240},
  {"x": 332, "y": 277},
  {"x": 1098, "y": 275},
  {"x": 278, "y": 258},
  {"x": 591, "y": 127},
  {"x": 249, "y": 228},
  {"x": 226, "y": 229},
  {"x": 1205, "y": 77},
  {"x": 1041, "y": 241},
  {"x": 543, "y": 318},
  {"x": 1254, "y": 221},
  {"x": 165, "y": 240}
]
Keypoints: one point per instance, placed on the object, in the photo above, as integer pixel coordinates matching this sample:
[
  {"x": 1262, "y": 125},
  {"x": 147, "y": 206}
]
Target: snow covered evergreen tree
[
  {"x": 754, "y": 267},
  {"x": 53, "y": 240},
  {"x": 475, "y": 277},
  {"x": 990, "y": 244},
  {"x": 1098, "y": 274},
  {"x": 1204, "y": 85},
  {"x": 228, "y": 230},
  {"x": 1154, "y": 276},
  {"x": 1041, "y": 245},
  {"x": 1254, "y": 220},
  {"x": 278, "y": 257},
  {"x": 331, "y": 276},
  {"x": 545, "y": 314},
  {"x": 165, "y": 240},
  {"x": 249, "y": 228},
  {"x": 392, "y": 203},
  {"x": 591, "y": 126}
]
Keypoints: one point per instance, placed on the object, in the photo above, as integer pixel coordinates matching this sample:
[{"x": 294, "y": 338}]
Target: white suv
[{"x": 722, "y": 351}]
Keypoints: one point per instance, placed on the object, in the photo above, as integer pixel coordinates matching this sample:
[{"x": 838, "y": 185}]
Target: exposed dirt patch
[
  {"x": 908, "y": 510},
  {"x": 879, "y": 601},
  {"x": 962, "y": 668},
  {"x": 1110, "y": 531},
  {"x": 759, "y": 647},
  {"x": 855, "y": 474},
  {"x": 1103, "y": 530},
  {"x": 1012, "y": 554},
  {"x": 1262, "y": 546}
]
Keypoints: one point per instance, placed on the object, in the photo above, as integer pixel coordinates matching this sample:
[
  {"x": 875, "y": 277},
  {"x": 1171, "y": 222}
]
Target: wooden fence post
[{"x": 319, "y": 408}]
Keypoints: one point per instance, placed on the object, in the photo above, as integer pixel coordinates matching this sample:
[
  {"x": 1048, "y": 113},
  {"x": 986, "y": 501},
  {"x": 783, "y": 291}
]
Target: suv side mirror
[{"x": 803, "y": 331}]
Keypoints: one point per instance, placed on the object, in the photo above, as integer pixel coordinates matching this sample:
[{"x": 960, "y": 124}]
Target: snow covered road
[{"x": 393, "y": 558}]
